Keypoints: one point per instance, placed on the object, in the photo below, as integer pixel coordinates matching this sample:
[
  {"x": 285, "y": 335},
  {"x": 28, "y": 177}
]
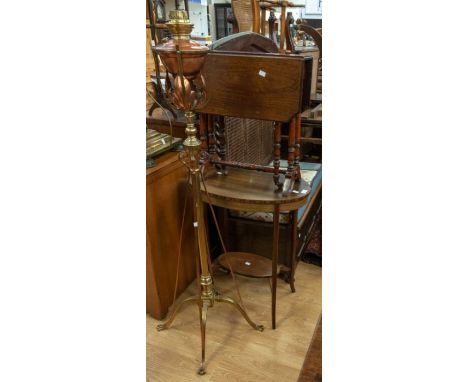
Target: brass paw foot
[
  {"x": 260, "y": 328},
  {"x": 201, "y": 370}
]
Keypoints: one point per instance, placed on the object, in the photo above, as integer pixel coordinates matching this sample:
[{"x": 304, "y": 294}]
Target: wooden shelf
[
  {"x": 247, "y": 264},
  {"x": 304, "y": 139}
]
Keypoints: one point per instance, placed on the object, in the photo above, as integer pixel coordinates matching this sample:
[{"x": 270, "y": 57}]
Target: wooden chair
[
  {"x": 247, "y": 15},
  {"x": 250, "y": 16},
  {"x": 272, "y": 26},
  {"x": 316, "y": 34}
]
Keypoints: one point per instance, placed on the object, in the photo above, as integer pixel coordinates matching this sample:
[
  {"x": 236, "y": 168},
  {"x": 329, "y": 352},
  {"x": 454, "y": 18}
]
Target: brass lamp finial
[{"x": 179, "y": 25}]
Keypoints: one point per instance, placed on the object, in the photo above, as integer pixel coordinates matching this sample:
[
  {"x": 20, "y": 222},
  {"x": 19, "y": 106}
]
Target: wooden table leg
[
  {"x": 291, "y": 145},
  {"x": 277, "y": 156},
  {"x": 274, "y": 264},
  {"x": 293, "y": 250},
  {"x": 315, "y": 65},
  {"x": 297, "y": 167}
]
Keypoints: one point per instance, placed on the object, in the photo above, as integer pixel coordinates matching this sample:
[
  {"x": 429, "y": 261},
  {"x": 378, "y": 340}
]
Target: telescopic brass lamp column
[{"x": 184, "y": 59}]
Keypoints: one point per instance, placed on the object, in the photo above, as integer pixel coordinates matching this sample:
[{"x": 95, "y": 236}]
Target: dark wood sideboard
[{"x": 165, "y": 195}]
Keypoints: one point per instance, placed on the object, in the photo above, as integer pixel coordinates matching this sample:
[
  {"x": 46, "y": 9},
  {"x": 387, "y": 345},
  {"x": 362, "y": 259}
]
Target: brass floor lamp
[{"x": 183, "y": 59}]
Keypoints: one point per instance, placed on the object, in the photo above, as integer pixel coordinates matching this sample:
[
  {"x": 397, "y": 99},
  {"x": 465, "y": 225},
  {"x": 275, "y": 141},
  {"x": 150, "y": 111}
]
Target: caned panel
[{"x": 248, "y": 140}]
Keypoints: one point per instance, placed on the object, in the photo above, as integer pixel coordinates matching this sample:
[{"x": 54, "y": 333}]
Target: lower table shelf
[{"x": 247, "y": 264}]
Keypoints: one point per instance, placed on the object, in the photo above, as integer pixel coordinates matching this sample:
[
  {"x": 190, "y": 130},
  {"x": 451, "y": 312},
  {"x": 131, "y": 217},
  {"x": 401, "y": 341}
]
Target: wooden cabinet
[{"x": 165, "y": 195}]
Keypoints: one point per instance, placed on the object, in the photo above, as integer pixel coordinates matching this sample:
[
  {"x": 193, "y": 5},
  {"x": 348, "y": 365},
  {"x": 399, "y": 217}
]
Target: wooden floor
[{"x": 235, "y": 351}]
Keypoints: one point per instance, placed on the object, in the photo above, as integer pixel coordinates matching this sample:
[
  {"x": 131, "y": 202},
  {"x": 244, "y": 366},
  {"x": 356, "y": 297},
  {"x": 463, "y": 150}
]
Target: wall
[
  {"x": 312, "y": 10},
  {"x": 198, "y": 16}
]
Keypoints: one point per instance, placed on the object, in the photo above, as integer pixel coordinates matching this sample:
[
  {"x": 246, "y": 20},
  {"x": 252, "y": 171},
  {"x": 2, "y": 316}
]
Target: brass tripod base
[
  {"x": 217, "y": 297},
  {"x": 203, "y": 304},
  {"x": 168, "y": 323}
]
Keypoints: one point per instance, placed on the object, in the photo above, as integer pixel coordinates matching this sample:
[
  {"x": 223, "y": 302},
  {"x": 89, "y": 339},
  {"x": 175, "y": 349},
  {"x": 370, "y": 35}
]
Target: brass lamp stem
[{"x": 193, "y": 145}]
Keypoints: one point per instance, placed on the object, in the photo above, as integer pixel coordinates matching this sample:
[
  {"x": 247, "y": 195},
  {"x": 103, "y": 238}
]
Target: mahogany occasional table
[{"x": 247, "y": 190}]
